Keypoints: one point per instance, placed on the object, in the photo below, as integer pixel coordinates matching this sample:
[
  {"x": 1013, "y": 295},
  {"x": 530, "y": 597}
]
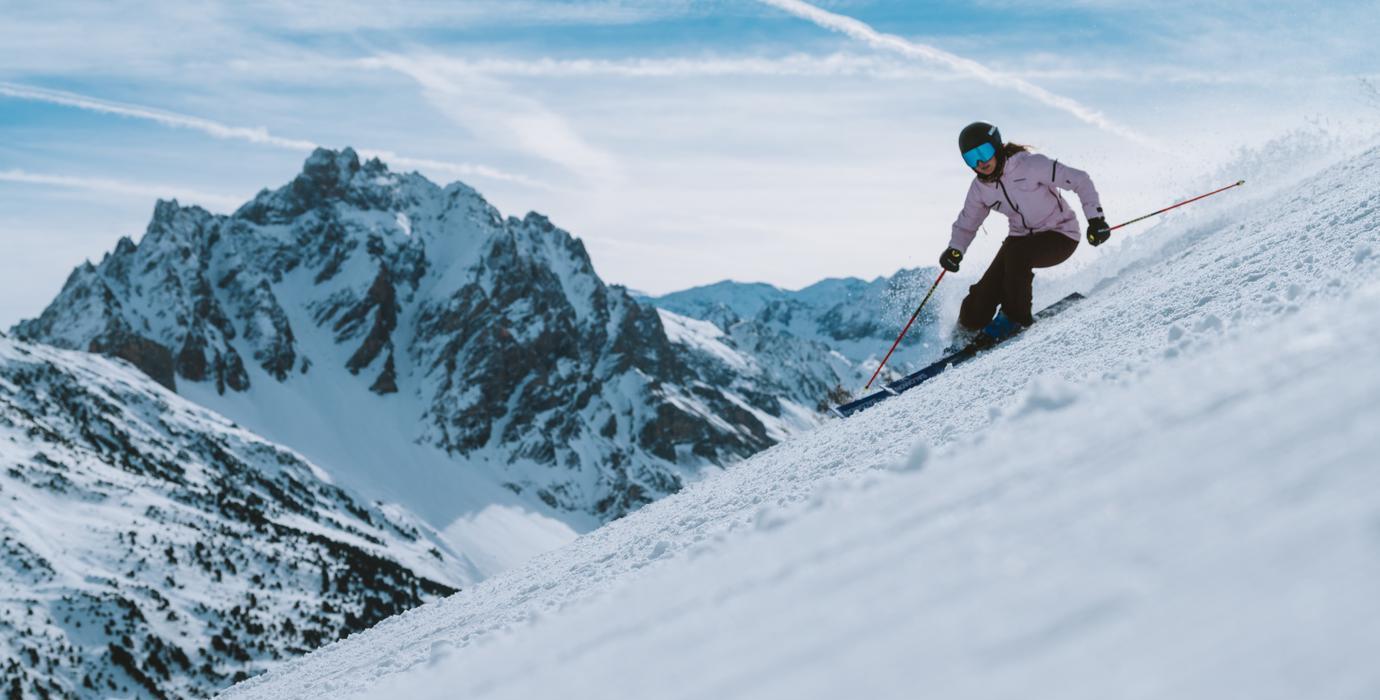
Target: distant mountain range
[{"x": 848, "y": 318}]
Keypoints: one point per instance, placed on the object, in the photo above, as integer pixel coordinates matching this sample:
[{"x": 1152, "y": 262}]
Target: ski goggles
[{"x": 983, "y": 152}]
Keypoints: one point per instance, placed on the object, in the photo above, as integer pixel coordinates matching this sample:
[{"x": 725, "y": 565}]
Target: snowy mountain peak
[
  {"x": 326, "y": 165},
  {"x": 491, "y": 340},
  {"x": 171, "y": 225},
  {"x": 328, "y": 177},
  {"x": 126, "y": 244},
  {"x": 538, "y": 222}
]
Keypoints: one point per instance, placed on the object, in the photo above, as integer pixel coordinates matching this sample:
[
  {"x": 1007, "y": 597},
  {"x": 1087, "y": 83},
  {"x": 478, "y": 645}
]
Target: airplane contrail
[
  {"x": 890, "y": 42},
  {"x": 258, "y": 135},
  {"x": 124, "y": 187}
]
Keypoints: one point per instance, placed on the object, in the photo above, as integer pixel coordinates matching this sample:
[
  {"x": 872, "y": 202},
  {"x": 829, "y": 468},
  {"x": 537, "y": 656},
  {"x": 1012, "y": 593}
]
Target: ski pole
[
  {"x": 903, "y": 330},
  {"x": 1176, "y": 206},
  {"x": 941, "y": 274}
]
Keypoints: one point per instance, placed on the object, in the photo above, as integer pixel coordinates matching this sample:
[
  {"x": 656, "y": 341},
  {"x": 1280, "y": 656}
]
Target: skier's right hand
[{"x": 950, "y": 259}]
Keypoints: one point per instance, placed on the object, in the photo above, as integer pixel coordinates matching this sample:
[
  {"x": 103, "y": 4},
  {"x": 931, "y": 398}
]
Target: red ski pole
[
  {"x": 1176, "y": 206},
  {"x": 941, "y": 274},
  {"x": 903, "y": 330}
]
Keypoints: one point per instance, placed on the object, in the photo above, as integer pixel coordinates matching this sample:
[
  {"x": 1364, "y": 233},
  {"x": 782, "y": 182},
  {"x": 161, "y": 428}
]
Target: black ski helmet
[{"x": 978, "y": 133}]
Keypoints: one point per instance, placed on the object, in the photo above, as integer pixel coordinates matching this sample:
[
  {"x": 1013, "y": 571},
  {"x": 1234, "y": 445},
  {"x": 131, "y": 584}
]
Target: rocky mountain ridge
[
  {"x": 492, "y": 338},
  {"x": 150, "y": 548}
]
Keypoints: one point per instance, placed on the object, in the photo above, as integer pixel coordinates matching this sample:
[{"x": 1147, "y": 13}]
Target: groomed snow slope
[{"x": 1171, "y": 490}]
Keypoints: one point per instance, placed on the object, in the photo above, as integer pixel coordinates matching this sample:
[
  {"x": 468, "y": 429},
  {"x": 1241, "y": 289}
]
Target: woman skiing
[{"x": 1043, "y": 228}]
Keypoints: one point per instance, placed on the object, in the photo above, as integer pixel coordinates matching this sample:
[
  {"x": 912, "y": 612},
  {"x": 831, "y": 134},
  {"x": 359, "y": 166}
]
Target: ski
[{"x": 981, "y": 344}]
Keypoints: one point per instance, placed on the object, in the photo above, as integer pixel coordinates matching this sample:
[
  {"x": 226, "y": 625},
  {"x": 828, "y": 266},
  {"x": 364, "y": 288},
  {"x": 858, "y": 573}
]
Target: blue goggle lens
[{"x": 982, "y": 153}]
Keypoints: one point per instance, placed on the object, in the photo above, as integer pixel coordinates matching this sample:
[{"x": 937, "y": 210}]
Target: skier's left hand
[{"x": 1098, "y": 231}]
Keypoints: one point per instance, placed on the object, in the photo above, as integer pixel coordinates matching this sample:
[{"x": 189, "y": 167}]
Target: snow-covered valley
[{"x": 1170, "y": 490}]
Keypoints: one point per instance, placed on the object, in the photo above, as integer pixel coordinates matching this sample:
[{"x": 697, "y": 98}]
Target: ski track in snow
[{"x": 1170, "y": 490}]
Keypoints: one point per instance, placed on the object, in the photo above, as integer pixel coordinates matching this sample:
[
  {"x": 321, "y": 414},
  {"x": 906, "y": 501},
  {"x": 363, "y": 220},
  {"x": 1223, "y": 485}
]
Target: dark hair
[
  {"x": 1011, "y": 149},
  {"x": 1007, "y": 150}
]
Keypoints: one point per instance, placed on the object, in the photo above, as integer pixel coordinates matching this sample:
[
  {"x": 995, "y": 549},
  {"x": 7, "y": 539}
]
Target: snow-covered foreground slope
[{"x": 1171, "y": 490}]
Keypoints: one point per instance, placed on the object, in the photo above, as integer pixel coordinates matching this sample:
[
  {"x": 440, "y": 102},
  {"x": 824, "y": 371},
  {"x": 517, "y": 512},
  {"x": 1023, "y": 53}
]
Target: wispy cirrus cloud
[
  {"x": 490, "y": 109},
  {"x": 836, "y": 64},
  {"x": 890, "y": 42},
  {"x": 356, "y": 15},
  {"x": 210, "y": 200},
  {"x": 797, "y": 64},
  {"x": 255, "y": 135}
]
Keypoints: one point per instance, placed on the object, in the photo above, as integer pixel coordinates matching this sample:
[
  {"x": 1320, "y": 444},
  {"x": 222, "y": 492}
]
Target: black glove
[
  {"x": 1098, "y": 231},
  {"x": 950, "y": 259}
]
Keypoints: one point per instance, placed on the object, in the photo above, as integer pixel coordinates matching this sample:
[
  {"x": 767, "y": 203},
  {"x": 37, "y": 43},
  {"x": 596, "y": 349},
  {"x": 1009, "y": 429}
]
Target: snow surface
[
  {"x": 369, "y": 443},
  {"x": 703, "y": 336},
  {"x": 1170, "y": 490}
]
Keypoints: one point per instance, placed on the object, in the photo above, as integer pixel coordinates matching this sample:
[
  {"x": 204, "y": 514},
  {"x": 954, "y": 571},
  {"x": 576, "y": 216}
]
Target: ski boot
[{"x": 997, "y": 330}]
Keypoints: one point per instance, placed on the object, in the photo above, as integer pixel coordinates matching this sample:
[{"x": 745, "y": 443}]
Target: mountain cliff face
[
  {"x": 150, "y": 548},
  {"x": 489, "y": 339}
]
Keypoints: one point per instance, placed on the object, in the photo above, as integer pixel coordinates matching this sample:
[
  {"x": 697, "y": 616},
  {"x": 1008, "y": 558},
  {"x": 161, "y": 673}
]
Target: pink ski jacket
[{"x": 1027, "y": 193}]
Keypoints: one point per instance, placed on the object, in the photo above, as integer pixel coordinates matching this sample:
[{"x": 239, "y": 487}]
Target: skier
[{"x": 1043, "y": 228}]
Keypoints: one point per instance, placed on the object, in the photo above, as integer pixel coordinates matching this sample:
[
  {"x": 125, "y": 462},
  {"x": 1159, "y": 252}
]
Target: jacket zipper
[{"x": 1015, "y": 208}]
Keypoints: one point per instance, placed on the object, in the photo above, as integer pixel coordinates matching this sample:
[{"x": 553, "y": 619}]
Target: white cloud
[
  {"x": 172, "y": 40},
  {"x": 256, "y": 135},
  {"x": 218, "y": 202},
  {"x": 830, "y": 65},
  {"x": 489, "y": 109},
  {"x": 797, "y": 64},
  {"x": 399, "y": 162},
  {"x": 890, "y": 42},
  {"x": 355, "y": 15}
]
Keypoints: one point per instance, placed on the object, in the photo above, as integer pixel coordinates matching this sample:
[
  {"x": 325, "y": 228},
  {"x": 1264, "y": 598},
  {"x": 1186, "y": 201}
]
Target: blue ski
[{"x": 990, "y": 337}]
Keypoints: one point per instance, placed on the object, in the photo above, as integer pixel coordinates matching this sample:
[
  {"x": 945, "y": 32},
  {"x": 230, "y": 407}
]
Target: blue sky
[{"x": 684, "y": 141}]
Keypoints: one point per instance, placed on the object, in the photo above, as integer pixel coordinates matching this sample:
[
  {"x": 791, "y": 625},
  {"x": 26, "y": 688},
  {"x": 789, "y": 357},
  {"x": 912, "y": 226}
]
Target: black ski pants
[{"x": 1007, "y": 280}]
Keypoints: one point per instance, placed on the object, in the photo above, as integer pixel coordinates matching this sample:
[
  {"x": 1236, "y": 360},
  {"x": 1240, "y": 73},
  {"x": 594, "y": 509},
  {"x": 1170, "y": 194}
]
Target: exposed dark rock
[
  {"x": 229, "y": 372},
  {"x": 381, "y": 299},
  {"x": 387, "y": 382},
  {"x": 191, "y": 359},
  {"x": 152, "y": 358}
]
